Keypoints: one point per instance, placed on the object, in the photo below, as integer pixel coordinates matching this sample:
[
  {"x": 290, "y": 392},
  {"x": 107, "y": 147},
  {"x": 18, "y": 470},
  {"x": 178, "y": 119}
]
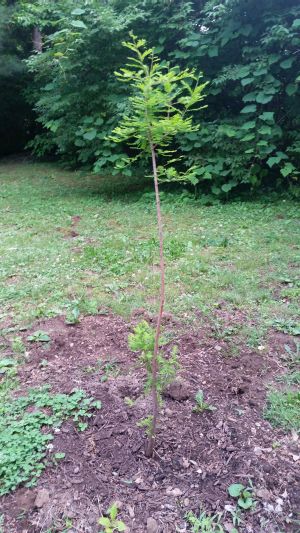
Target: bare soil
[{"x": 198, "y": 455}]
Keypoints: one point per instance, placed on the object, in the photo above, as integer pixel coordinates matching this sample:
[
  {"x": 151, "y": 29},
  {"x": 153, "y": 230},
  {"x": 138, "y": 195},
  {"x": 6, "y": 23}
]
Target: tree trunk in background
[{"x": 37, "y": 40}]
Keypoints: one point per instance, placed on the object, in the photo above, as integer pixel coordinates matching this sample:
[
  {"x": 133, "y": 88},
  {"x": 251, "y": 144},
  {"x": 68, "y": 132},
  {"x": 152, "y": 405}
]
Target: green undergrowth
[
  {"x": 27, "y": 425},
  {"x": 242, "y": 253}
]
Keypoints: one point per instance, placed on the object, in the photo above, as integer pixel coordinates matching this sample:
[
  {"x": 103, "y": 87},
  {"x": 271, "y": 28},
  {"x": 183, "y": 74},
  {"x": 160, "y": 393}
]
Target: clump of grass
[{"x": 283, "y": 409}]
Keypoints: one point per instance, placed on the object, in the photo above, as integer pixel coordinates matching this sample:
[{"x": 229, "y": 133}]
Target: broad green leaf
[
  {"x": 120, "y": 526},
  {"x": 249, "y": 109},
  {"x": 113, "y": 511},
  {"x": 296, "y": 24},
  {"x": 104, "y": 521},
  {"x": 90, "y": 135},
  {"x": 235, "y": 490},
  {"x": 291, "y": 89},
  {"x": 7, "y": 362},
  {"x": 243, "y": 72},
  {"x": 246, "y": 81},
  {"x": 267, "y": 116},
  {"x": 263, "y": 98},
  {"x": 287, "y": 63},
  {"x": 245, "y": 503},
  {"x": 213, "y": 51},
  {"x": 265, "y": 130},
  {"x": 248, "y": 137},
  {"x": 250, "y": 97},
  {"x": 228, "y": 186},
  {"x": 287, "y": 169},
  {"x": 260, "y": 71},
  {"x": 78, "y": 11},
  {"x": 273, "y": 161},
  {"x": 78, "y": 24},
  {"x": 249, "y": 125},
  {"x": 262, "y": 143},
  {"x": 282, "y": 155}
]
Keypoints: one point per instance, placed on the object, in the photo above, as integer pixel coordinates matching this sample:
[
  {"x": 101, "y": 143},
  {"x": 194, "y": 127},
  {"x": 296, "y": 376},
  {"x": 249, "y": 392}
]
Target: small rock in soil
[
  {"x": 173, "y": 492},
  {"x": 179, "y": 390},
  {"x": 42, "y": 498},
  {"x": 152, "y": 526}
]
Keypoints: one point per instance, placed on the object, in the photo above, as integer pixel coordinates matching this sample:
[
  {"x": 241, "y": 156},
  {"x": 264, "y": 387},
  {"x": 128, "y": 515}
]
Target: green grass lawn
[{"x": 245, "y": 254}]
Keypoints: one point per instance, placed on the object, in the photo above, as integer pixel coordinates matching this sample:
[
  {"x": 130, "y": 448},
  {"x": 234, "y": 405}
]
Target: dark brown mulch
[{"x": 198, "y": 455}]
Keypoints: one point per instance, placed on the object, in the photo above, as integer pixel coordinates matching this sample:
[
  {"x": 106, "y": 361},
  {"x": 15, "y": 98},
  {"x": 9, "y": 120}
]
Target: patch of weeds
[
  {"x": 72, "y": 316},
  {"x": 222, "y": 332},
  {"x": 25, "y": 431},
  {"x": 7, "y": 365},
  {"x": 205, "y": 523},
  {"x": 283, "y": 409},
  {"x": 292, "y": 357},
  {"x": 39, "y": 336},
  {"x": 129, "y": 401},
  {"x": 110, "y": 522},
  {"x": 287, "y": 326},
  {"x": 18, "y": 345},
  {"x": 244, "y": 495},
  {"x": 109, "y": 369},
  {"x": 201, "y": 405},
  {"x": 292, "y": 378}
]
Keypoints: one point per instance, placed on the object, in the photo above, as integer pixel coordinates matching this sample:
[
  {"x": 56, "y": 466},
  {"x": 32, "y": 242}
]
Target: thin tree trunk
[
  {"x": 37, "y": 40},
  {"x": 155, "y": 400}
]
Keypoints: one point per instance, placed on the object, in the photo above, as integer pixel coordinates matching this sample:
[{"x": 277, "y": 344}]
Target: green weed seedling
[
  {"x": 205, "y": 523},
  {"x": 201, "y": 405},
  {"x": 18, "y": 346},
  {"x": 39, "y": 336},
  {"x": 243, "y": 495},
  {"x": 129, "y": 401},
  {"x": 108, "y": 369},
  {"x": 111, "y": 522}
]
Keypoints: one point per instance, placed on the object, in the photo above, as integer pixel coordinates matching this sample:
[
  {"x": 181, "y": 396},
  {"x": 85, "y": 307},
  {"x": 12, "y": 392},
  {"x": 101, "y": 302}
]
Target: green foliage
[
  {"x": 25, "y": 431},
  {"x": 39, "y": 336},
  {"x": 250, "y": 136},
  {"x": 205, "y": 523},
  {"x": 110, "y": 521},
  {"x": 283, "y": 409},
  {"x": 142, "y": 340},
  {"x": 159, "y": 109},
  {"x": 73, "y": 315},
  {"x": 201, "y": 405},
  {"x": 242, "y": 494}
]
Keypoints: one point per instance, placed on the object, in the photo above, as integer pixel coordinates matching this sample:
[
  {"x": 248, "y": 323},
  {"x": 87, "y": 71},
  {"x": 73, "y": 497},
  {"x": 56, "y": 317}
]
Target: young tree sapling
[{"x": 159, "y": 109}]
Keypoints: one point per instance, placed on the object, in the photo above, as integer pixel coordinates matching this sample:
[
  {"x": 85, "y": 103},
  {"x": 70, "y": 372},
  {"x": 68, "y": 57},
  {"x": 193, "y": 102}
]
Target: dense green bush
[{"x": 248, "y": 51}]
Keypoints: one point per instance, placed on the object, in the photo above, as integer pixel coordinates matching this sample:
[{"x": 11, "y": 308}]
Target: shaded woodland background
[{"x": 60, "y": 98}]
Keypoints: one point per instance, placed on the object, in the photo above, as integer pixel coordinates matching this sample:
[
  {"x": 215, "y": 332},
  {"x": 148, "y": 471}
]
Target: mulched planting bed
[{"x": 198, "y": 455}]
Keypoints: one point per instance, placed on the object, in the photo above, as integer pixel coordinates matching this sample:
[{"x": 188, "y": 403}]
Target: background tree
[{"x": 159, "y": 110}]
